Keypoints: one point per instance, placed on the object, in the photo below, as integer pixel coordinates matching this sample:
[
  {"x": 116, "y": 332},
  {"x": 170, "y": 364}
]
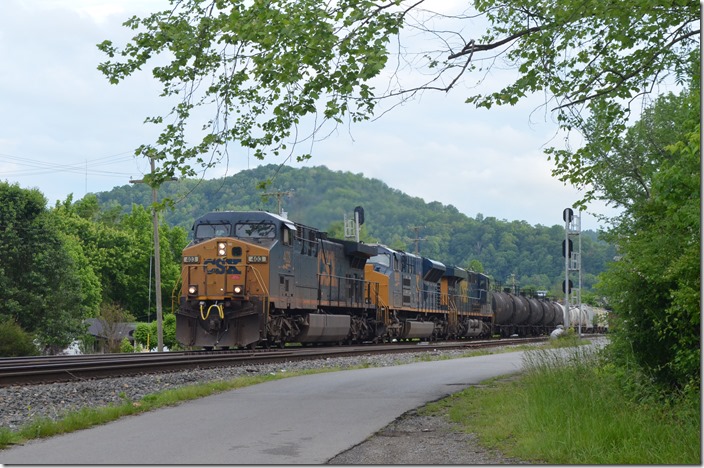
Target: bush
[
  {"x": 14, "y": 341},
  {"x": 126, "y": 346}
]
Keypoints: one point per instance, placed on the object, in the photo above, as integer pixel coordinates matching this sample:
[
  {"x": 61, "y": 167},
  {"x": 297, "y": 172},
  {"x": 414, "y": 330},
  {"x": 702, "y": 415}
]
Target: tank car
[
  {"x": 579, "y": 318},
  {"x": 255, "y": 277},
  {"x": 519, "y": 314},
  {"x": 601, "y": 320}
]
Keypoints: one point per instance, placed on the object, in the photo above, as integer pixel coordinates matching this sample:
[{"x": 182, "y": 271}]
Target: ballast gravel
[{"x": 398, "y": 443}]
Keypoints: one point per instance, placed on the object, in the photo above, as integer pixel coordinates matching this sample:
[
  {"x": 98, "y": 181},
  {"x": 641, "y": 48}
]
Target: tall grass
[{"x": 568, "y": 408}]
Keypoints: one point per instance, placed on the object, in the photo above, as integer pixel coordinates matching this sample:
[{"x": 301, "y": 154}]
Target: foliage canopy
[
  {"x": 271, "y": 73},
  {"x": 655, "y": 285}
]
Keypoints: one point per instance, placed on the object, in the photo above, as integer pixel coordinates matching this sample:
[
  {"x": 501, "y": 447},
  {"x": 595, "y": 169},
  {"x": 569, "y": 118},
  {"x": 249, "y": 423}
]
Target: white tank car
[
  {"x": 578, "y": 318},
  {"x": 601, "y": 320}
]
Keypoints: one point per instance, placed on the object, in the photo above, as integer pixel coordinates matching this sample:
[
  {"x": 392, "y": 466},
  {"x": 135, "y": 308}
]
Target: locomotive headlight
[
  {"x": 192, "y": 289},
  {"x": 237, "y": 289},
  {"x": 221, "y": 248}
]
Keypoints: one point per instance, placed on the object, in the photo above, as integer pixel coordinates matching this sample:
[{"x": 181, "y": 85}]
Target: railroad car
[
  {"x": 253, "y": 277},
  {"x": 422, "y": 298},
  {"x": 518, "y": 314},
  {"x": 591, "y": 319}
]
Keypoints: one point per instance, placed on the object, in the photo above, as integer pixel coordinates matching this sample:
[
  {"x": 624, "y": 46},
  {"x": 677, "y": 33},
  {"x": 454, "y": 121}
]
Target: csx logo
[{"x": 222, "y": 265}]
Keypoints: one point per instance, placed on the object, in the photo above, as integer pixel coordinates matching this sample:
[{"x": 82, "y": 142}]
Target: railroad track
[{"x": 49, "y": 369}]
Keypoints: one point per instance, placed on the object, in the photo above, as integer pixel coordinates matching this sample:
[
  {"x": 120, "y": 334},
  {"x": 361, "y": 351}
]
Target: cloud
[{"x": 57, "y": 108}]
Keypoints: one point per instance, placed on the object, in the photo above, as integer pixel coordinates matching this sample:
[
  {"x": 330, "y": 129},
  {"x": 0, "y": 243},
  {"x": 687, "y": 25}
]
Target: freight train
[{"x": 253, "y": 278}]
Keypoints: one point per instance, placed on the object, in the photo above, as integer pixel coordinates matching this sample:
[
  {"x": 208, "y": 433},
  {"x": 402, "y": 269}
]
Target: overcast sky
[{"x": 64, "y": 129}]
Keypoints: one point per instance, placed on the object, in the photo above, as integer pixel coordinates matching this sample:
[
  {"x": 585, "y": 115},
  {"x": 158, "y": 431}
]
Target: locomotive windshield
[
  {"x": 208, "y": 231},
  {"x": 260, "y": 230}
]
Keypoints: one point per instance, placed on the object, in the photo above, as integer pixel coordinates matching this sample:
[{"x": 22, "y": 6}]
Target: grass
[{"x": 566, "y": 409}]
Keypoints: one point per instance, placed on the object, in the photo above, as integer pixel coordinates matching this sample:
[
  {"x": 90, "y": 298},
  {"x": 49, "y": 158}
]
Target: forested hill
[{"x": 320, "y": 197}]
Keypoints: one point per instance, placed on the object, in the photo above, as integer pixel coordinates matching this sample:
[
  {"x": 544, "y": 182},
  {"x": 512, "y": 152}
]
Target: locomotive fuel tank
[
  {"x": 415, "y": 329},
  {"x": 324, "y": 328}
]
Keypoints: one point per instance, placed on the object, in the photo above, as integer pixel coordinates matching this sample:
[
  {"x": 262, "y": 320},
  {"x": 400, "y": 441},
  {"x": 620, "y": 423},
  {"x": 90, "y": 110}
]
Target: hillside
[{"x": 320, "y": 197}]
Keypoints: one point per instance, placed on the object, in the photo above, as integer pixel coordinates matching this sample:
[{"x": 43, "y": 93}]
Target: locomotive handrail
[
  {"x": 359, "y": 298},
  {"x": 382, "y": 308},
  {"x": 258, "y": 278},
  {"x": 453, "y": 311}
]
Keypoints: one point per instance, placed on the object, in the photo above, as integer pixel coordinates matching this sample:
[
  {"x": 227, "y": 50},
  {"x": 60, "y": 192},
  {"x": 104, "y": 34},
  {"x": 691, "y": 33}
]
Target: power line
[{"x": 88, "y": 167}]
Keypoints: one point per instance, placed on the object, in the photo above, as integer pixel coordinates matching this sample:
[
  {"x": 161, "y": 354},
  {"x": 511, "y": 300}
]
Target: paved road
[{"x": 299, "y": 420}]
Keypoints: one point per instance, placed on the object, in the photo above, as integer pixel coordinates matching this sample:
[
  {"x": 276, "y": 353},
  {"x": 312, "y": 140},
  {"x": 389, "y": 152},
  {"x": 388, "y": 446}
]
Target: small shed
[{"x": 108, "y": 336}]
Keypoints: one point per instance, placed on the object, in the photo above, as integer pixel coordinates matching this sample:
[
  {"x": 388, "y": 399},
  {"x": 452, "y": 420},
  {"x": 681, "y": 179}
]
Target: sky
[{"x": 65, "y": 130}]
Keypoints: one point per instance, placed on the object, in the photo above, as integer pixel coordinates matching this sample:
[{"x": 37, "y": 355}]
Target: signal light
[
  {"x": 567, "y": 252},
  {"x": 567, "y": 288}
]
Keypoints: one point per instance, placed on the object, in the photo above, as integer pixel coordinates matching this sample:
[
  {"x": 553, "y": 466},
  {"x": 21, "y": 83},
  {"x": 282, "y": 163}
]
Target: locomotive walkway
[{"x": 300, "y": 420}]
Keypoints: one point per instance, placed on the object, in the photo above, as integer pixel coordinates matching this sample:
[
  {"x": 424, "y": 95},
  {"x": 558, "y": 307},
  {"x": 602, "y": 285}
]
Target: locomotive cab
[
  {"x": 409, "y": 292},
  {"x": 226, "y": 277}
]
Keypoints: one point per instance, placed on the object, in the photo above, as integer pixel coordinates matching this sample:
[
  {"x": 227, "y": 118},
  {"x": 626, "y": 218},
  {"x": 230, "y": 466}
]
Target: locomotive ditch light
[
  {"x": 221, "y": 248},
  {"x": 237, "y": 289},
  {"x": 192, "y": 289}
]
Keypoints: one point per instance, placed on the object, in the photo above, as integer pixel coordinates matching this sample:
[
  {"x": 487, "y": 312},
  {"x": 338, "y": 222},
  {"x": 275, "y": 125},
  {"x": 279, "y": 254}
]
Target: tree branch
[{"x": 471, "y": 47}]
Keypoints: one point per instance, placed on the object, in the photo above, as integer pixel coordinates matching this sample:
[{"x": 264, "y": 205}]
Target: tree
[
  {"x": 654, "y": 288},
  {"x": 266, "y": 69},
  {"x": 113, "y": 320},
  {"x": 14, "y": 341},
  {"x": 117, "y": 254},
  {"x": 41, "y": 284},
  {"x": 145, "y": 333}
]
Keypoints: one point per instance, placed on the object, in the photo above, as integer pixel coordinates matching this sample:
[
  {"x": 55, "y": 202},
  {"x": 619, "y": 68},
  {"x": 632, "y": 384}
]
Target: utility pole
[
  {"x": 278, "y": 196},
  {"x": 417, "y": 239},
  {"x": 157, "y": 261}
]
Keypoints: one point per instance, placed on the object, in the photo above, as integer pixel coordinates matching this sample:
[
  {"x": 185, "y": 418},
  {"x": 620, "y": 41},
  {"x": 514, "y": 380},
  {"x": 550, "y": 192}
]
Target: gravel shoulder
[{"x": 415, "y": 439}]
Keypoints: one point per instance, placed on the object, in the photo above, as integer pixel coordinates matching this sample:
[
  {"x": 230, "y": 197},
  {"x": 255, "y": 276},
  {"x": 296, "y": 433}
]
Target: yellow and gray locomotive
[{"x": 255, "y": 277}]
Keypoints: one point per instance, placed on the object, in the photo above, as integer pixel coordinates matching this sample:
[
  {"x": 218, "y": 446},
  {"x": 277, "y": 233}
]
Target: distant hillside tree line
[{"x": 510, "y": 252}]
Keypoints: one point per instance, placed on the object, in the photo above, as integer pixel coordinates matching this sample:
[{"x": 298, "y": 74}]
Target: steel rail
[{"x": 49, "y": 369}]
